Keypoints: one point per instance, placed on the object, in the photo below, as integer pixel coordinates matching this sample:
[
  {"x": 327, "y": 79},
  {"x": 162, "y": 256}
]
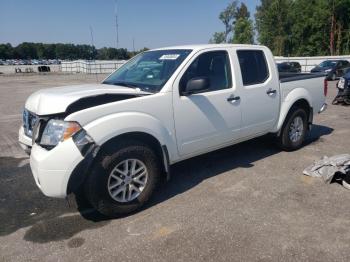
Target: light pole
[{"x": 116, "y": 22}]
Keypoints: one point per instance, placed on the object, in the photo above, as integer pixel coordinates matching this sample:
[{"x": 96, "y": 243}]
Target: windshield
[
  {"x": 328, "y": 63},
  {"x": 148, "y": 71}
]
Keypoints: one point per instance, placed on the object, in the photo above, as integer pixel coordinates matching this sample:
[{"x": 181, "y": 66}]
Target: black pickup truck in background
[{"x": 289, "y": 67}]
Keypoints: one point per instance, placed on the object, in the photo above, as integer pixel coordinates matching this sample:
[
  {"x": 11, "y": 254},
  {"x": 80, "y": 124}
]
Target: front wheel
[
  {"x": 294, "y": 130},
  {"x": 123, "y": 180},
  {"x": 332, "y": 77}
]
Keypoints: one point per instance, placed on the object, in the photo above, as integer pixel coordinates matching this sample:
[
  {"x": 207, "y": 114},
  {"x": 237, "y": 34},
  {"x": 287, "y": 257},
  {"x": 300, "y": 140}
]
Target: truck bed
[
  {"x": 288, "y": 77},
  {"x": 313, "y": 83}
]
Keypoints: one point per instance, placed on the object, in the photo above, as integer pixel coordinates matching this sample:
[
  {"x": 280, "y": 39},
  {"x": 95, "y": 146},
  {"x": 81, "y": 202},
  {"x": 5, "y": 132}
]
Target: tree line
[
  {"x": 287, "y": 27},
  {"x": 290, "y": 27},
  {"x": 28, "y": 50}
]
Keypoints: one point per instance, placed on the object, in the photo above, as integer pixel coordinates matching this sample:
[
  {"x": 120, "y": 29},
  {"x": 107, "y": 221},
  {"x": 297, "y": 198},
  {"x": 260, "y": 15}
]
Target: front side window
[
  {"x": 328, "y": 63},
  {"x": 215, "y": 66},
  {"x": 253, "y": 65},
  {"x": 150, "y": 70}
]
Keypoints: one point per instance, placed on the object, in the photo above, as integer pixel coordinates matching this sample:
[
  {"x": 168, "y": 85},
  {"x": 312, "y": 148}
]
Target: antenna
[
  {"x": 92, "y": 53},
  {"x": 116, "y": 21},
  {"x": 92, "y": 36},
  {"x": 133, "y": 45},
  {"x": 92, "y": 42}
]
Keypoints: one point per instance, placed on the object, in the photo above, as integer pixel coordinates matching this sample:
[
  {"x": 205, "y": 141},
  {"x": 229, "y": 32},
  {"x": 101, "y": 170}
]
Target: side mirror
[{"x": 196, "y": 85}]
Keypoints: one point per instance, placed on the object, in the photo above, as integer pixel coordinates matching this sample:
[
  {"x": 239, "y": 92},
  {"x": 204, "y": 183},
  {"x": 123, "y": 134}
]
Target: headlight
[
  {"x": 341, "y": 83},
  {"x": 328, "y": 70},
  {"x": 57, "y": 131}
]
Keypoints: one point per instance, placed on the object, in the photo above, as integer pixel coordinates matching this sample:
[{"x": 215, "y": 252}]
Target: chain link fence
[
  {"x": 91, "y": 67},
  {"x": 107, "y": 67}
]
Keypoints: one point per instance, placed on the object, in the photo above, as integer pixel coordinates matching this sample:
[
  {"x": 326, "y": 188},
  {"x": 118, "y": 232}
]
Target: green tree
[
  {"x": 238, "y": 25},
  {"x": 340, "y": 11},
  {"x": 227, "y": 17},
  {"x": 63, "y": 51},
  {"x": 304, "y": 27},
  {"x": 310, "y": 28},
  {"x": 108, "y": 53},
  {"x": 242, "y": 12},
  {"x": 273, "y": 24},
  {"x": 243, "y": 32},
  {"x": 26, "y": 50},
  {"x": 6, "y": 51},
  {"x": 50, "y": 51},
  {"x": 218, "y": 38}
]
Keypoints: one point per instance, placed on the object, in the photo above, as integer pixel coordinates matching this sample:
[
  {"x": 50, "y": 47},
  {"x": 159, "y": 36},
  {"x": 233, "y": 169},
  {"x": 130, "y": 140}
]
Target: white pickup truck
[{"x": 117, "y": 139}]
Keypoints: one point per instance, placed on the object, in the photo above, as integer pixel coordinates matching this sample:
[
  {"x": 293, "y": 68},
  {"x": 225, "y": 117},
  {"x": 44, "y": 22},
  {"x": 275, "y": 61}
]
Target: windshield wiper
[
  {"x": 130, "y": 85},
  {"x": 126, "y": 84}
]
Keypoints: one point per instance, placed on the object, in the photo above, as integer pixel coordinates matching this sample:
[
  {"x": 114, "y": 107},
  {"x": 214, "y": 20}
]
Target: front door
[{"x": 211, "y": 118}]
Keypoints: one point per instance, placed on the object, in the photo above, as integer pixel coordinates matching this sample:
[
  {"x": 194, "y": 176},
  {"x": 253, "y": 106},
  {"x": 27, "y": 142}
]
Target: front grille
[{"x": 29, "y": 121}]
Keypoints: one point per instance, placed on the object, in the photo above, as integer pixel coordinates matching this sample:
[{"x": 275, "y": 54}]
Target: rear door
[
  {"x": 341, "y": 67},
  {"x": 212, "y": 118},
  {"x": 260, "y": 93}
]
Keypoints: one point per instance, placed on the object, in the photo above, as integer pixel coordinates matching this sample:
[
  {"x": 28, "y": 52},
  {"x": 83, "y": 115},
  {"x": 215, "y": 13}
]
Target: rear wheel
[
  {"x": 122, "y": 181},
  {"x": 347, "y": 101},
  {"x": 333, "y": 77},
  {"x": 294, "y": 130}
]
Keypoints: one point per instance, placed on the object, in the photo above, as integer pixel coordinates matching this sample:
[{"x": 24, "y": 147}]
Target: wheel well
[
  {"x": 151, "y": 141},
  {"x": 80, "y": 173},
  {"x": 303, "y": 103}
]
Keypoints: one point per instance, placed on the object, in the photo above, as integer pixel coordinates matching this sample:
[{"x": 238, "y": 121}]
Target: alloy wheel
[{"x": 127, "y": 180}]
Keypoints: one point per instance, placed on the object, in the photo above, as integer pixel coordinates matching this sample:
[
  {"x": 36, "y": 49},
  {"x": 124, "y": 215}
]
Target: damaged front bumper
[
  {"x": 62, "y": 169},
  {"x": 25, "y": 142},
  {"x": 52, "y": 168}
]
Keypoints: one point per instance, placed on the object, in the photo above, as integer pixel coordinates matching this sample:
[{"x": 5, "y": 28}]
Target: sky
[{"x": 151, "y": 23}]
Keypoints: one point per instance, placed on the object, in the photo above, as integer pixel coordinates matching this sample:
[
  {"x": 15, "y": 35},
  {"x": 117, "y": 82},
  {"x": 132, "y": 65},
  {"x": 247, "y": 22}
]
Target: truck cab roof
[{"x": 208, "y": 46}]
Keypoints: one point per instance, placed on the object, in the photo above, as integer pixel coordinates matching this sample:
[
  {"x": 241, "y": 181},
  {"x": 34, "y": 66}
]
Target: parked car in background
[
  {"x": 290, "y": 67},
  {"x": 332, "y": 68},
  {"x": 30, "y": 62}
]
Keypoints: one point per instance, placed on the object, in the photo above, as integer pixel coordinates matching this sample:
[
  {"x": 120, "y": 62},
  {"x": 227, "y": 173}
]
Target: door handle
[
  {"x": 233, "y": 98},
  {"x": 271, "y": 91}
]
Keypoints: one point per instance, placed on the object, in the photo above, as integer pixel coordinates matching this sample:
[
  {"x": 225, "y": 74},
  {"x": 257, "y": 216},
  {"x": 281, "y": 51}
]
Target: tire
[
  {"x": 347, "y": 101},
  {"x": 286, "y": 140},
  {"x": 333, "y": 77},
  {"x": 99, "y": 186}
]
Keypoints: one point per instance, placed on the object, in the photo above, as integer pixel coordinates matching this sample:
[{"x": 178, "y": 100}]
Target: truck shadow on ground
[
  {"x": 23, "y": 205},
  {"x": 191, "y": 172}
]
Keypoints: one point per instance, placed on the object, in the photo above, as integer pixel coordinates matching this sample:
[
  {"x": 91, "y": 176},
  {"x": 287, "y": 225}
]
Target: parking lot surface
[{"x": 248, "y": 202}]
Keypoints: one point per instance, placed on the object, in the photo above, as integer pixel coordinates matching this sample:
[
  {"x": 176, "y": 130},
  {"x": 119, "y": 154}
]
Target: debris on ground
[
  {"x": 341, "y": 99},
  {"x": 328, "y": 167}
]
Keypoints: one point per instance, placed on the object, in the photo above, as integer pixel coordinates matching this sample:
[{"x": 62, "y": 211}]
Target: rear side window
[
  {"x": 345, "y": 63},
  {"x": 253, "y": 66}
]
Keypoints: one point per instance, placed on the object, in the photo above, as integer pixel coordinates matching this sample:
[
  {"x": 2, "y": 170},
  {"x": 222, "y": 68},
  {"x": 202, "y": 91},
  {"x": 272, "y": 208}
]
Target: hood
[{"x": 68, "y": 99}]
